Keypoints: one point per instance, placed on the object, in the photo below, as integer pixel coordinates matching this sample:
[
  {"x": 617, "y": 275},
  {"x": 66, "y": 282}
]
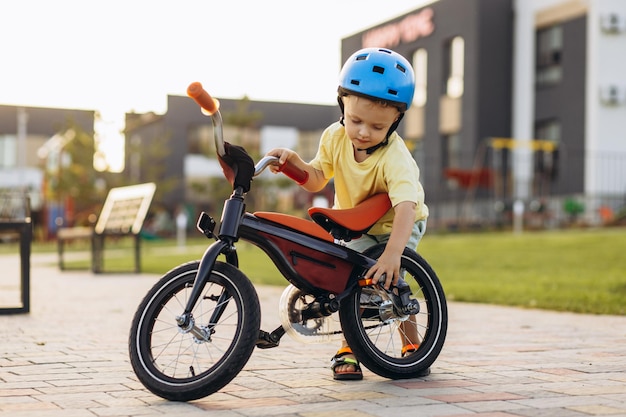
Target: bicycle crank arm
[{"x": 269, "y": 340}]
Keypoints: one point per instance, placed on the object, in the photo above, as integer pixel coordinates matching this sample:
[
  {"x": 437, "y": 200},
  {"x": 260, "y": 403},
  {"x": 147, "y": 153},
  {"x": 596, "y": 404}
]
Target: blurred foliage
[{"x": 69, "y": 171}]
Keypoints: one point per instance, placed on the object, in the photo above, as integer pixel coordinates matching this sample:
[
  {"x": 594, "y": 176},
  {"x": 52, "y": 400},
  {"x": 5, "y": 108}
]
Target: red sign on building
[{"x": 414, "y": 26}]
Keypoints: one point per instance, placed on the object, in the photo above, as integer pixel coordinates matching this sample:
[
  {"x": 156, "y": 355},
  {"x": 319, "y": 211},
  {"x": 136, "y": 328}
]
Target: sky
[{"x": 120, "y": 56}]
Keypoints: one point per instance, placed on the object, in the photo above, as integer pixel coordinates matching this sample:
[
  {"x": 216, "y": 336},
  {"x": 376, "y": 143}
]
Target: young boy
[{"x": 366, "y": 156}]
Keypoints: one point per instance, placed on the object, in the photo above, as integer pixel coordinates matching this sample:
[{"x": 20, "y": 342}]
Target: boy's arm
[
  {"x": 316, "y": 180},
  {"x": 389, "y": 262}
]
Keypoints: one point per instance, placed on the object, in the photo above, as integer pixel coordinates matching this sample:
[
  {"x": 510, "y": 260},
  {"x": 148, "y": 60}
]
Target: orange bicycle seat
[{"x": 350, "y": 223}]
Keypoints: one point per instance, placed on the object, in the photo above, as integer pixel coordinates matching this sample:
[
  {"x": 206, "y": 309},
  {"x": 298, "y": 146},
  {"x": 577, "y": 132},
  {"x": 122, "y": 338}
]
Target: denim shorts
[{"x": 366, "y": 241}]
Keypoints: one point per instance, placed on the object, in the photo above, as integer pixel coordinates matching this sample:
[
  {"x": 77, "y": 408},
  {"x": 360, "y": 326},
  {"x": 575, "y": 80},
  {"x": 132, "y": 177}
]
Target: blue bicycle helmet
[
  {"x": 381, "y": 74},
  {"x": 378, "y": 74}
]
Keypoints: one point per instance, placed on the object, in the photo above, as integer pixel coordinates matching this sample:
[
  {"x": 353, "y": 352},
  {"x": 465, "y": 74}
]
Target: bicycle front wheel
[
  {"x": 181, "y": 365},
  {"x": 377, "y": 333}
]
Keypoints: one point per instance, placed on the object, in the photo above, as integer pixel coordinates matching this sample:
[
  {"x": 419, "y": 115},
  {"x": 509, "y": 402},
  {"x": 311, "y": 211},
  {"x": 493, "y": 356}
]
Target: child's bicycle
[{"x": 197, "y": 327}]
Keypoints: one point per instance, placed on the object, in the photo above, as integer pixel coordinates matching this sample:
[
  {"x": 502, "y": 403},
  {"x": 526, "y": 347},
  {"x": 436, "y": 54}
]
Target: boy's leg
[
  {"x": 408, "y": 329},
  {"x": 358, "y": 245},
  {"x": 408, "y": 332}
]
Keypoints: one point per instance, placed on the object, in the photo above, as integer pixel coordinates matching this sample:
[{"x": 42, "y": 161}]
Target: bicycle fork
[
  {"x": 185, "y": 321},
  {"x": 231, "y": 217}
]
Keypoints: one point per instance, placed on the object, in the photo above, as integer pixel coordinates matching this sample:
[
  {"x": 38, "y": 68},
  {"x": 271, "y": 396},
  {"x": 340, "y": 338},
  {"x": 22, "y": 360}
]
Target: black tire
[
  {"x": 374, "y": 334},
  {"x": 174, "y": 364}
]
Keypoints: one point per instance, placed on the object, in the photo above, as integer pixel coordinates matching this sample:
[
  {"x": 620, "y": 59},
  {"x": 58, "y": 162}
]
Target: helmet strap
[
  {"x": 392, "y": 129},
  {"x": 340, "y": 101},
  {"x": 371, "y": 149}
]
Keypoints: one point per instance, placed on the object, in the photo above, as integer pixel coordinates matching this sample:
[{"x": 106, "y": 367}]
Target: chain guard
[{"x": 314, "y": 330}]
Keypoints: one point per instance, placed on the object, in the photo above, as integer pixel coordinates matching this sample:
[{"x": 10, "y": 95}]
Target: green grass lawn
[{"x": 574, "y": 270}]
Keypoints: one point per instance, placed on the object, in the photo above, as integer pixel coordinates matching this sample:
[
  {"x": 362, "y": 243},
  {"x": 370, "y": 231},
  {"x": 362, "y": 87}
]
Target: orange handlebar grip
[
  {"x": 295, "y": 173},
  {"x": 204, "y": 100}
]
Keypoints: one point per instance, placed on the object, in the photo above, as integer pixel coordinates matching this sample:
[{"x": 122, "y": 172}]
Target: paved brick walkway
[{"x": 68, "y": 358}]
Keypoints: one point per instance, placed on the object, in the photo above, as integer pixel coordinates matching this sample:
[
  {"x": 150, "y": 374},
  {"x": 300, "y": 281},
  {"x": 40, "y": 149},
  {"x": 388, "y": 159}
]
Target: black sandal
[{"x": 340, "y": 359}]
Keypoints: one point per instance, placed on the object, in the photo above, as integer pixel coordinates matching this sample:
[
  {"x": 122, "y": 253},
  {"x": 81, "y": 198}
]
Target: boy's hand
[
  {"x": 314, "y": 179},
  {"x": 283, "y": 156},
  {"x": 386, "y": 270},
  {"x": 389, "y": 262}
]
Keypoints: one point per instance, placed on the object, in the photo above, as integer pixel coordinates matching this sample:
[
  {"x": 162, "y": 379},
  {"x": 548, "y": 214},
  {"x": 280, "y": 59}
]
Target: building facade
[
  {"x": 518, "y": 103},
  {"x": 462, "y": 57},
  {"x": 569, "y": 89}
]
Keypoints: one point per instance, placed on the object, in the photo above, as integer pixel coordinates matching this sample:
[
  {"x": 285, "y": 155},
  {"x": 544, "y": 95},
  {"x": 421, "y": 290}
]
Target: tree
[
  {"x": 244, "y": 120},
  {"x": 150, "y": 157},
  {"x": 71, "y": 182}
]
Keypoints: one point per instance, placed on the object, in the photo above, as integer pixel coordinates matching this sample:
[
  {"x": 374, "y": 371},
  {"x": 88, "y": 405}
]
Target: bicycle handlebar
[
  {"x": 204, "y": 100},
  {"x": 211, "y": 107}
]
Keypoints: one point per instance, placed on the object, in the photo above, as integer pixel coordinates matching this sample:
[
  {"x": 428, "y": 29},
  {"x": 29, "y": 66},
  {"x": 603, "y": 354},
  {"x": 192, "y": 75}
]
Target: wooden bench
[{"x": 123, "y": 214}]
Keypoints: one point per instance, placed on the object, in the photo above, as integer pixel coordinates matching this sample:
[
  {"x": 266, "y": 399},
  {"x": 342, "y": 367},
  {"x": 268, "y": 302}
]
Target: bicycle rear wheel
[
  {"x": 176, "y": 364},
  {"x": 373, "y": 329}
]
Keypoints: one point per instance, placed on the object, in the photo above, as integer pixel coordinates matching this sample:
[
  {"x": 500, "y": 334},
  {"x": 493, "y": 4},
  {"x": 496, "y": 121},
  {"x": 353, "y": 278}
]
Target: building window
[
  {"x": 420, "y": 66},
  {"x": 8, "y": 151},
  {"x": 454, "y": 66},
  {"x": 549, "y": 52},
  {"x": 452, "y": 151},
  {"x": 200, "y": 140},
  {"x": 546, "y": 149},
  {"x": 548, "y": 130},
  {"x": 420, "y": 157}
]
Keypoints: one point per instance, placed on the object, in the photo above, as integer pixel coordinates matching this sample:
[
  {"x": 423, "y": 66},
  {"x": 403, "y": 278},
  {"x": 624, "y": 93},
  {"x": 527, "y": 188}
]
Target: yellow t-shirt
[{"x": 390, "y": 169}]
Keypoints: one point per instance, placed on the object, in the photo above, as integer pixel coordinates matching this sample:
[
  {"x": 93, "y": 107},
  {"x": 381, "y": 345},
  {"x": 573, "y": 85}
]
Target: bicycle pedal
[
  {"x": 267, "y": 340},
  {"x": 401, "y": 298}
]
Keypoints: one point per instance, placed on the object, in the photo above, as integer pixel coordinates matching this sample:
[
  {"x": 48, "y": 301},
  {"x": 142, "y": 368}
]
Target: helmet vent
[
  {"x": 401, "y": 68},
  {"x": 378, "y": 69},
  {"x": 392, "y": 92},
  {"x": 362, "y": 57},
  {"x": 355, "y": 82}
]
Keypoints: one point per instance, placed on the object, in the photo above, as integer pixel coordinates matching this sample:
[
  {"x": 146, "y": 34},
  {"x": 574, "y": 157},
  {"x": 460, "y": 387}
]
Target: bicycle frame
[{"x": 272, "y": 237}]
